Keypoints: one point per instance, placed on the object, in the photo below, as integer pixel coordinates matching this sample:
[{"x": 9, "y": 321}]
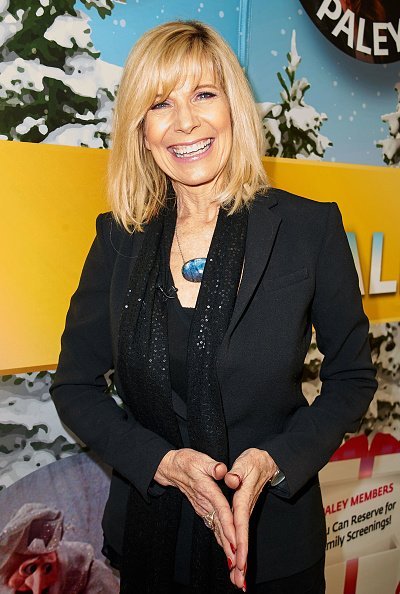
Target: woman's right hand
[{"x": 195, "y": 474}]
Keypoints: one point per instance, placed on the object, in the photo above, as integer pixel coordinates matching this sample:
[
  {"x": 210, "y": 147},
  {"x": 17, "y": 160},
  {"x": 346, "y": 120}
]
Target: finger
[
  {"x": 233, "y": 480},
  {"x": 225, "y": 544},
  {"x": 239, "y": 471},
  {"x": 226, "y": 521},
  {"x": 217, "y": 470},
  {"x": 241, "y": 521}
]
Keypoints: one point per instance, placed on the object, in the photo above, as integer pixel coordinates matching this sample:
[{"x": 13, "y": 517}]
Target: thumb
[
  {"x": 219, "y": 470},
  {"x": 233, "y": 478}
]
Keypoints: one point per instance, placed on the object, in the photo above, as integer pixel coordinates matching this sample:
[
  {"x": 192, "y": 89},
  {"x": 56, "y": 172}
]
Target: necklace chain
[{"x": 179, "y": 245}]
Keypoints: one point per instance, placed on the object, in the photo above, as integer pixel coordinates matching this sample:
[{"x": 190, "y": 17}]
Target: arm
[
  {"x": 79, "y": 388},
  {"x": 313, "y": 433}
]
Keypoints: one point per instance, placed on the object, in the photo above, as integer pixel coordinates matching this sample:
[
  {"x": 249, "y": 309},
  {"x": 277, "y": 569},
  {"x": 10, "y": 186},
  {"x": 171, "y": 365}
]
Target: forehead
[{"x": 189, "y": 75}]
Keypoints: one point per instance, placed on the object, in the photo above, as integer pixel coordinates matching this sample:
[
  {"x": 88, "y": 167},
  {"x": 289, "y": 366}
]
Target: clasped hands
[{"x": 196, "y": 475}]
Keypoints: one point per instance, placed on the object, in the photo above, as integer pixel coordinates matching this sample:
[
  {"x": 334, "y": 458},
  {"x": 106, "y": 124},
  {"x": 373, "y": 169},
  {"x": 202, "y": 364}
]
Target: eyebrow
[{"x": 202, "y": 86}]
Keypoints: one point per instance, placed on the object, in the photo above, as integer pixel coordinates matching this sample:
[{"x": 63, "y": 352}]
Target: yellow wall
[
  {"x": 50, "y": 198},
  {"x": 52, "y": 194}
]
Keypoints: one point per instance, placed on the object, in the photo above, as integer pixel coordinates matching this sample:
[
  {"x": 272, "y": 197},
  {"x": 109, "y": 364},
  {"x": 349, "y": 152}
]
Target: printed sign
[{"x": 368, "y": 30}]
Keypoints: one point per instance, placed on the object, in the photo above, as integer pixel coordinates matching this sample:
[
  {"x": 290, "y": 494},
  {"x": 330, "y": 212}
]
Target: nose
[
  {"x": 37, "y": 581},
  {"x": 186, "y": 118}
]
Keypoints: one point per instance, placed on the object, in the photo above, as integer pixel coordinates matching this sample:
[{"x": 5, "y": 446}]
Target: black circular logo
[{"x": 368, "y": 30}]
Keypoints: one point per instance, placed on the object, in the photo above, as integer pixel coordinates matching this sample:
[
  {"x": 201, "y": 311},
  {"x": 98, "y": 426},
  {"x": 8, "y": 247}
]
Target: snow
[
  {"x": 9, "y": 26},
  {"x": 294, "y": 56},
  {"x": 27, "y": 124},
  {"x": 391, "y": 146},
  {"x": 70, "y": 31},
  {"x": 393, "y": 121},
  {"x": 102, "y": 74},
  {"x": 75, "y": 135},
  {"x": 303, "y": 117}
]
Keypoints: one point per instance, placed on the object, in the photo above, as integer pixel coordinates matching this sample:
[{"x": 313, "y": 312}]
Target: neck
[{"x": 196, "y": 205}]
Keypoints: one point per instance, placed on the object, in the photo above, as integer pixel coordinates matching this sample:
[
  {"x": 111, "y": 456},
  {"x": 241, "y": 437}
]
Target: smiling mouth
[{"x": 191, "y": 150}]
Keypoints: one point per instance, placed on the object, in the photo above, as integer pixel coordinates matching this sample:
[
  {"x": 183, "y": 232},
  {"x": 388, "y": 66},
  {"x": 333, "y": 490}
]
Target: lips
[{"x": 191, "y": 150}]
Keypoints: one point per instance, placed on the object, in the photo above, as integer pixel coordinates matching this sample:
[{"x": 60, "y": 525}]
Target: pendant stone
[{"x": 192, "y": 270}]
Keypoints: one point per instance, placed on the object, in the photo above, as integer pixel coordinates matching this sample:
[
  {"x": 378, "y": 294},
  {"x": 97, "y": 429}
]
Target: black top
[{"x": 179, "y": 321}]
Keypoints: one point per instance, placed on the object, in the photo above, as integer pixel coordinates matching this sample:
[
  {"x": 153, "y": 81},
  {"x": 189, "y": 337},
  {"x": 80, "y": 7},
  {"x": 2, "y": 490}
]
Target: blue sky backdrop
[
  {"x": 115, "y": 35},
  {"x": 352, "y": 93}
]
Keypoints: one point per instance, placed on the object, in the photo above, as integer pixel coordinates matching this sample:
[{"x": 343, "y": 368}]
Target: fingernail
[
  {"x": 230, "y": 564},
  {"x": 216, "y": 466},
  {"x": 238, "y": 477},
  {"x": 244, "y": 586},
  {"x": 233, "y": 548}
]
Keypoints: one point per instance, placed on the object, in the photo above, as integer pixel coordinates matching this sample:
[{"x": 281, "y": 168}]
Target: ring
[{"x": 208, "y": 520}]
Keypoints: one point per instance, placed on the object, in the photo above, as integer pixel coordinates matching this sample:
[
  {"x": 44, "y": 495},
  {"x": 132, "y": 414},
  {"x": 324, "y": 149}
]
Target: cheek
[
  {"x": 16, "y": 580},
  {"x": 154, "y": 131}
]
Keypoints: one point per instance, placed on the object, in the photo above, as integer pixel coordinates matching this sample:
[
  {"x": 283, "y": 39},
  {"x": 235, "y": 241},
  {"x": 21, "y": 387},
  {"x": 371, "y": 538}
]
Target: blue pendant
[{"x": 192, "y": 270}]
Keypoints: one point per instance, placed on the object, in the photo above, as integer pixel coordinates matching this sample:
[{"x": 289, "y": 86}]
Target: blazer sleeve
[
  {"x": 313, "y": 433},
  {"x": 79, "y": 389}
]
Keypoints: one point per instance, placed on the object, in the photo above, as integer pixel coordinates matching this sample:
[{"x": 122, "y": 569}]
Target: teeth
[{"x": 199, "y": 147}]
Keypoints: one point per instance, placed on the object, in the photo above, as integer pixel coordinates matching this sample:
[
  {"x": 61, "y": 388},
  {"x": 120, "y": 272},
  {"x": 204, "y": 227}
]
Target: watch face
[
  {"x": 278, "y": 478},
  {"x": 368, "y": 30}
]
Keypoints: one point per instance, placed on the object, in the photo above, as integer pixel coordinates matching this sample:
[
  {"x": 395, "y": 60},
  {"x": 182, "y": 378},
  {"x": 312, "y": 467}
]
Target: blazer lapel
[{"x": 262, "y": 228}]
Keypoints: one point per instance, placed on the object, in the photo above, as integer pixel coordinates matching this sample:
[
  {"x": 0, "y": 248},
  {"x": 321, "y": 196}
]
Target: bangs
[{"x": 182, "y": 62}]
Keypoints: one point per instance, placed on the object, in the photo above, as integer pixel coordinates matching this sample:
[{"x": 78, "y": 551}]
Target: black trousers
[{"x": 309, "y": 581}]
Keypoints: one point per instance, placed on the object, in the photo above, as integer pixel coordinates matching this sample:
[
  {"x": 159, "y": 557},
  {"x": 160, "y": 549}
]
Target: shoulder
[
  {"x": 297, "y": 209},
  {"x": 113, "y": 237},
  {"x": 289, "y": 202}
]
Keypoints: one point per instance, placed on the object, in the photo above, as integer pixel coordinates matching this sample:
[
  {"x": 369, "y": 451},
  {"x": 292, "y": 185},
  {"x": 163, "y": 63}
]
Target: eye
[
  {"x": 31, "y": 568},
  {"x": 47, "y": 568},
  {"x": 205, "y": 95},
  {"x": 161, "y": 105}
]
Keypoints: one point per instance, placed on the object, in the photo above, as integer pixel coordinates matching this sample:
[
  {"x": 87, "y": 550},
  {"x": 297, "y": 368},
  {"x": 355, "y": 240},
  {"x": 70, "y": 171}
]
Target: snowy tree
[
  {"x": 391, "y": 146},
  {"x": 53, "y": 86},
  {"x": 291, "y": 126}
]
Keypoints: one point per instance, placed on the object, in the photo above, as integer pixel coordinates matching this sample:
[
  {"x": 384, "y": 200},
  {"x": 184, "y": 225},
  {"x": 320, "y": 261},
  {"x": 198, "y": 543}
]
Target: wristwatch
[{"x": 278, "y": 477}]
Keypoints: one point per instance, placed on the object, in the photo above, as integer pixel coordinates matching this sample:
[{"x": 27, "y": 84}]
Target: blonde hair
[{"x": 160, "y": 59}]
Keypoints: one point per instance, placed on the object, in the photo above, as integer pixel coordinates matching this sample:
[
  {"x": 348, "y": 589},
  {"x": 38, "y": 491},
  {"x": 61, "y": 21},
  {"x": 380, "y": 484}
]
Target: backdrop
[{"x": 332, "y": 125}]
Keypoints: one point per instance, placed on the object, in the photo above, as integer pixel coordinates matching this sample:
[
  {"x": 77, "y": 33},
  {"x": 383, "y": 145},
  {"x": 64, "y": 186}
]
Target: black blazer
[{"x": 298, "y": 272}]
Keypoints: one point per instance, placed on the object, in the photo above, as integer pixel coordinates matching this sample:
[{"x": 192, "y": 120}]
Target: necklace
[{"x": 192, "y": 270}]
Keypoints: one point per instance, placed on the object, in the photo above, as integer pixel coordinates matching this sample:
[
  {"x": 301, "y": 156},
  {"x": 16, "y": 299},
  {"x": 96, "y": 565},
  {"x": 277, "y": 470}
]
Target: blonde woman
[{"x": 200, "y": 291}]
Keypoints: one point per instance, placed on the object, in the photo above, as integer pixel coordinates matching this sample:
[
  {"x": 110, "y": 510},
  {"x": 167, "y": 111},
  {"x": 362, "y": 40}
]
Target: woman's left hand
[{"x": 248, "y": 476}]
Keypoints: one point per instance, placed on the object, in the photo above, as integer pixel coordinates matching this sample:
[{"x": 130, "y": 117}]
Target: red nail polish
[
  {"x": 244, "y": 586},
  {"x": 230, "y": 564},
  {"x": 233, "y": 548}
]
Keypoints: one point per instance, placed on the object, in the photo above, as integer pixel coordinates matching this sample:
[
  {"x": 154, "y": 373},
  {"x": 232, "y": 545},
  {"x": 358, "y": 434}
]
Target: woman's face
[{"x": 190, "y": 133}]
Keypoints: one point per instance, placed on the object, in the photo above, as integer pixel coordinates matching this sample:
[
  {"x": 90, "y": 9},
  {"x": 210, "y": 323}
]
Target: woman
[{"x": 201, "y": 297}]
